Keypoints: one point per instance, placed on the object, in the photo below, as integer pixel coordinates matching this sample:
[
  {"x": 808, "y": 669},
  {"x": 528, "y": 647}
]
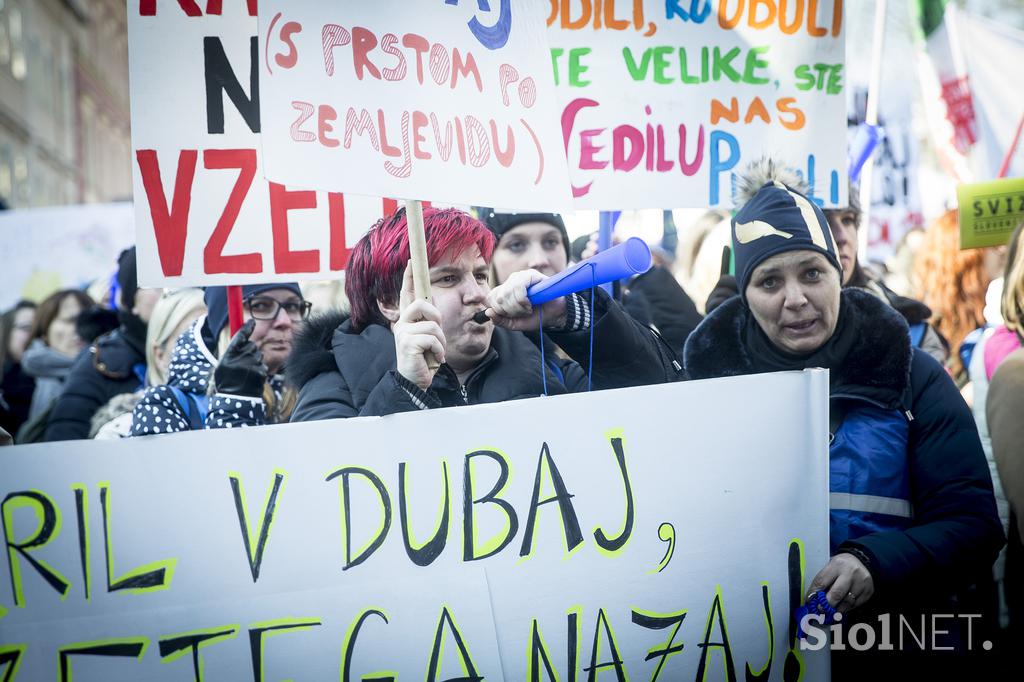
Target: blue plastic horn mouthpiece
[{"x": 632, "y": 257}]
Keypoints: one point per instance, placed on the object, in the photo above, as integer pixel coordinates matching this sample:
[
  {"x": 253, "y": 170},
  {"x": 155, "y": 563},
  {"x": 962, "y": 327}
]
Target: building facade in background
[{"x": 64, "y": 123}]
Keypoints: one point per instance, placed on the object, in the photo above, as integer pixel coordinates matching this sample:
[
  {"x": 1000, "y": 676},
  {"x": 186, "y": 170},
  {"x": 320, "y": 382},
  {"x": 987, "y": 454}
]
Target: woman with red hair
[{"x": 375, "y": 361}]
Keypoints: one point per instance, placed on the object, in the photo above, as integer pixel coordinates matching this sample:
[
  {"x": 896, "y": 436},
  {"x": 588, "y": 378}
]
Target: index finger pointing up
[{"x": 408, "y": 294}]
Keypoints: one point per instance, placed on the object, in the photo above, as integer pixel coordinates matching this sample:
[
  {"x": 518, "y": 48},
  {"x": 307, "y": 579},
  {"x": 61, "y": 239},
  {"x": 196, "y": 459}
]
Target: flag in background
[
  {"x": 896, "y": 181},
  {"x": 968, "y": 74},
  {"x": 943, "y": 45}
]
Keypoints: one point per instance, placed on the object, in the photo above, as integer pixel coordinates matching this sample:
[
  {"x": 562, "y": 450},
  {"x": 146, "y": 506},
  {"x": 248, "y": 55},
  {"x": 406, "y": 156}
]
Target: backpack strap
[
  {"x": 966, "y": 349},
  {"x": 917, "y": 332},
  {"x": 556, "y": 370},
  {"x": 139, "y": 369},
  {"x": 202, "y": 405},
  {"x": 187, "y": 402}
]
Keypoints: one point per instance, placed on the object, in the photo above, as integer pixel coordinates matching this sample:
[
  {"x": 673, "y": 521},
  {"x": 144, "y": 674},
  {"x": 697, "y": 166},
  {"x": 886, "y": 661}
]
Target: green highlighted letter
[
  {"x": 538, "y": 651},
  {"x": 595, "y": 652},
  {"x": 10, "y": 656},
  {"x": 49, "y": 527},
  {"x": 765, "y": 672},
  {"x": 349, "y": 647},
  {"x": 497, "y": 543},
  {"x": 570, "y": 524},
  {"x": 346, "y": 503},
  {"x": 437, "y": 651},
  {"x": 274, "y": 627},
  {"x": 156, "y": 575},
  {"x": 255, "y": 560},
  {"x": 424, "y": 555},
  {"x": 133, "y": 647},
  {"x": 173, "y": 647},
  {"x": 612, "y": 545},
  {"x": 717, "y": 612},
  {"x": 660, "y": 621}
]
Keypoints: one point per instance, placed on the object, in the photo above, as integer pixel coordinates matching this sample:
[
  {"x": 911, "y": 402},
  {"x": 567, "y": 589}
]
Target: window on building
[{"x": 19, "y": 64}]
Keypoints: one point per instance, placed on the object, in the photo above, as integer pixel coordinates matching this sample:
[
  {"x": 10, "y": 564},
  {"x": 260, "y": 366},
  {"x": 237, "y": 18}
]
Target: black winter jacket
[
  {"x": 114, "y": 364},
  {"x": 340, "y": 373},
  {"x": 672, "y": 310},
  {"x": 16, "y": 389},
  {"x": 954, "y": 532}
]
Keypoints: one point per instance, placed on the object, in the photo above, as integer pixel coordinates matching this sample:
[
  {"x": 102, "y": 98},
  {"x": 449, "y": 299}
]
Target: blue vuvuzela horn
[{"x": 632, "y": 257}]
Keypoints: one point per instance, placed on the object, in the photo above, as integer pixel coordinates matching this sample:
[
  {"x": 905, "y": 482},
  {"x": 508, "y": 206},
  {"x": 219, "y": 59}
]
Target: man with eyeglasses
[{"x": 246, "y": 370}]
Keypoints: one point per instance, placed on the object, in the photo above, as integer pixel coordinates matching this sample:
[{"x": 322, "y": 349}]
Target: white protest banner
[
  {"x": 205, "y": 213},
  {"x": 896, "y": 170},
  {"x": 662, "y": 100},
  {"x": 440, "y": 100},
  {"x": 664, "y": 532},
  {"x": 46, "y": 249}
]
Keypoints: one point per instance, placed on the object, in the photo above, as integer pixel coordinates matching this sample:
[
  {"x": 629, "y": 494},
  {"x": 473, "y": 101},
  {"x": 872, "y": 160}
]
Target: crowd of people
[{"x": 926, "y": 456}]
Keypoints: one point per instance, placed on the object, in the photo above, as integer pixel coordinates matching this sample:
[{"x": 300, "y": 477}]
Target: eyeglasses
[{"x": 266, "y": 308}]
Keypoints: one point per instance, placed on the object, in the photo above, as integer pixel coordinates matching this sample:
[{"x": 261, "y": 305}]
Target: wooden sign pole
[{"x": 418, "y": 259}]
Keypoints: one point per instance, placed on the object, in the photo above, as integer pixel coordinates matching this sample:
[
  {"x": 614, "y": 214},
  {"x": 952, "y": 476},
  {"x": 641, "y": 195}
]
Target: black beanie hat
[
  {"x": 778, "y": 219},
  {"x": 127, "y": 282},
  {"x": 500, "y": 223},
  {"x": 217, "y": 301}
]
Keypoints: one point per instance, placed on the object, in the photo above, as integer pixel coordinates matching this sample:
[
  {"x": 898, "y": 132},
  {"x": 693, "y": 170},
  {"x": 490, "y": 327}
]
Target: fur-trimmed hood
[
  {"x": 877, "y": 368},
  {"x": 312, "y": 352}
]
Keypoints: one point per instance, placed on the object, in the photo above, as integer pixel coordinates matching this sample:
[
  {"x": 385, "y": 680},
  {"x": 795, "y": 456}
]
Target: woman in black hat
[
  {"x": 527, "y": 241},
  {"x": 219, "y": 381},
  {"x": 912, "y": 517}
]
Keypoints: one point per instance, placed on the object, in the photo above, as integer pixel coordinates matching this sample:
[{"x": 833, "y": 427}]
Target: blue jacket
[{"x": 909, "y": 484}]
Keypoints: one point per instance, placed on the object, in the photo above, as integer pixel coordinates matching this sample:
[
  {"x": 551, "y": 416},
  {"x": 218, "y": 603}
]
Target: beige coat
[{"x": 1005, "y": 411}]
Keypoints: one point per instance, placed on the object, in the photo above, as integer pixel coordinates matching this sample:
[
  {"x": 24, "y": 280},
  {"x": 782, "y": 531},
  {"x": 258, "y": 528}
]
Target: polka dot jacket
[{"x": 191, "y": 371}]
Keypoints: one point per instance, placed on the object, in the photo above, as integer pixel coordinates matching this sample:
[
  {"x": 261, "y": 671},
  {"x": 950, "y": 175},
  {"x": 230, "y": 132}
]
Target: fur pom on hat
[{"x": 761, "y": 172}]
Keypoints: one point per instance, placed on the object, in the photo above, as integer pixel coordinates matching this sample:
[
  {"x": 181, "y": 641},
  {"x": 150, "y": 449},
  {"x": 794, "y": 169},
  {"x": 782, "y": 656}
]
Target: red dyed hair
[{"x": 375, "y": 267}]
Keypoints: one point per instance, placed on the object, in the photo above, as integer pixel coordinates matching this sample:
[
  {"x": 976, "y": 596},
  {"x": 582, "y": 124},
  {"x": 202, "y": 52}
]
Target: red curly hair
[
  {"x": 375, "y": 266},
  {"x": 952, "y": 282}
]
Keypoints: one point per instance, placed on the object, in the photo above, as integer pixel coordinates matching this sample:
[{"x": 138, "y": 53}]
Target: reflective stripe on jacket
[{"x": 869, "y": 486}]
